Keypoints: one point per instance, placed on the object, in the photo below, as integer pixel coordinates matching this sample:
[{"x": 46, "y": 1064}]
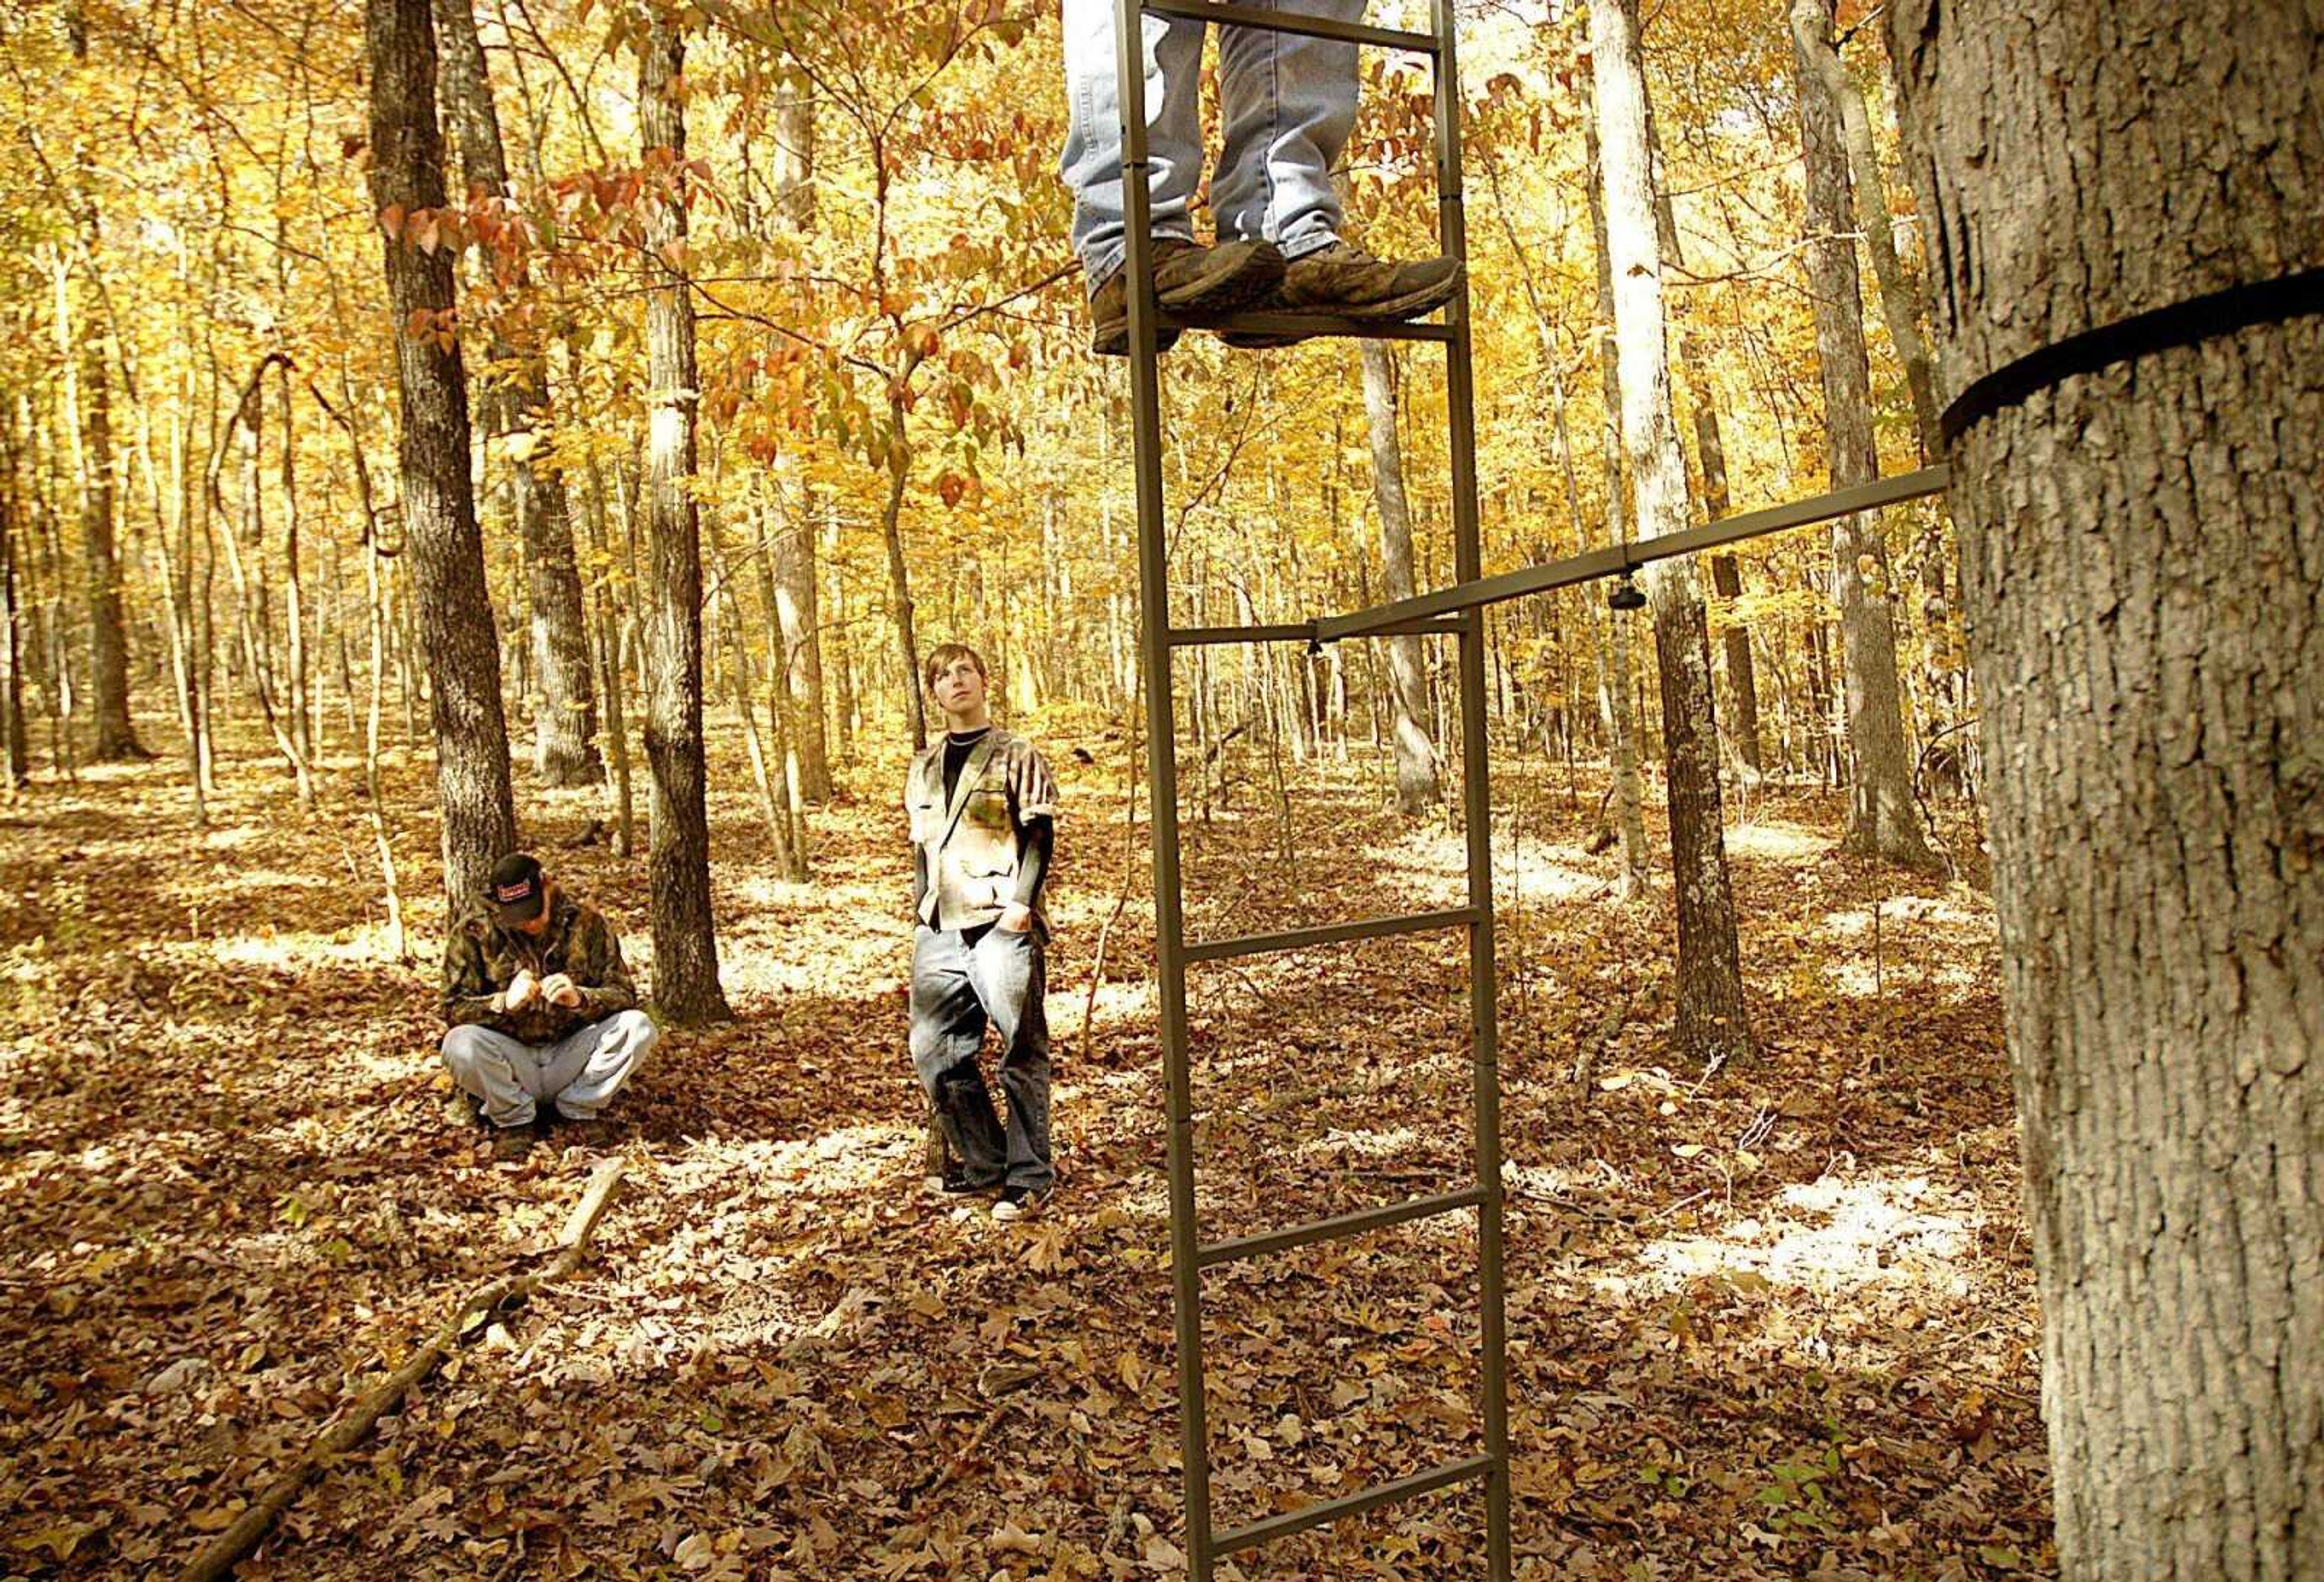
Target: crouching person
[{"x": 543, "y": 1012}]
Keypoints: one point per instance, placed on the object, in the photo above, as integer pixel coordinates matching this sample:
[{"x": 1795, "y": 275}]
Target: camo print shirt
[{"x": 481, "y": 959}]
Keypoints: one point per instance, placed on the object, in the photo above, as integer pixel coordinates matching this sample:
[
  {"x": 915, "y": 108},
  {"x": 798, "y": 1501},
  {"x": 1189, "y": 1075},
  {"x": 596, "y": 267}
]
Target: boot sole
[
  {"x": 1235, "y": 285},
  {"x": 1411, "y": 305}
]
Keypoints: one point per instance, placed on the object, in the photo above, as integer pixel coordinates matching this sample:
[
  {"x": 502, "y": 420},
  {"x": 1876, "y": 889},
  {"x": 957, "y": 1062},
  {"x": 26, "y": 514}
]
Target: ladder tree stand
[{"x": 1455, "y": 612}]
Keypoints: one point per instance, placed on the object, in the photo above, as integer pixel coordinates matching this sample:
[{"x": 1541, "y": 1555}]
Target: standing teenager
[{"x": 982, "y": 809}]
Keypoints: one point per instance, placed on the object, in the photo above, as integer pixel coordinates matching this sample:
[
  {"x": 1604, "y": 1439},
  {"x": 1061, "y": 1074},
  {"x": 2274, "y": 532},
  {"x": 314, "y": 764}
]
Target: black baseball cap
[{"x": 517, "y": 890}]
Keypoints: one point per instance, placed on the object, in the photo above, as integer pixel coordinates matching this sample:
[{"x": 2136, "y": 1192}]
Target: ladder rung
[
  {"x": 1311, "y": 326},
  {"x": 1337, "y": 1229},
  {"x": 1292, "y": 22},
  {"x": 1306, "y": 1516},
  {"x": 1259, "y": 944}
]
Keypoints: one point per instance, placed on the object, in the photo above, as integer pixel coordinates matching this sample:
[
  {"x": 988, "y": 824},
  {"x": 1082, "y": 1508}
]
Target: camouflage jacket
[{"x": 480, "y": 958}]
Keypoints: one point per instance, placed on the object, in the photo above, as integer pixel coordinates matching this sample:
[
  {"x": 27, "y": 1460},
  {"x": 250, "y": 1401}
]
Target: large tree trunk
[
  {"x": 1711, "y": 1022},
  {"x": 2140, "y": 553},
  {"x": 1882, "y": 820},
  {"x": 461, "y": 647},
  {"x": 1418, "y": 786},
  {"x": 686, "y": 944},
  {"x": 517, "y": 413}
]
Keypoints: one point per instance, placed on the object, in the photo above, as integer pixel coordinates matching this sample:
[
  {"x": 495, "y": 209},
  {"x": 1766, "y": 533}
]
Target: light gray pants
[{"x": 579, "y": 1073}]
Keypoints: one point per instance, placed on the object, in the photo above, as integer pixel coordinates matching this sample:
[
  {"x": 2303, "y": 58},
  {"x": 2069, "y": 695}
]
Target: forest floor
[{"x": 1776, "y": 1323}]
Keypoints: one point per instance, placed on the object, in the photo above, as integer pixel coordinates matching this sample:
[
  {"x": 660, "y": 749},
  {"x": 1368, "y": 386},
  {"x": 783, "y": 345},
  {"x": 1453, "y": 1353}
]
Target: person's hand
[
  {"x": 1016, "y": 918},
  {"x": 558, "y": 989},
  {"x": 520, "y": 989}
]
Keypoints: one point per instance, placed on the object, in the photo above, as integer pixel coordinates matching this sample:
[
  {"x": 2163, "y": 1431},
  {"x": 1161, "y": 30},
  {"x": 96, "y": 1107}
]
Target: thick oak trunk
[
  {"x": 1711, "y": 1024},
  {"x": 2143, "y": 578},
  {"x": 686, "y": 944},
  {"x": 1418, "y": 786},
  {"x": 517, "y": 412},
  {"x": 1882, "y": 821},
  {"x": 446, "y": 555}
]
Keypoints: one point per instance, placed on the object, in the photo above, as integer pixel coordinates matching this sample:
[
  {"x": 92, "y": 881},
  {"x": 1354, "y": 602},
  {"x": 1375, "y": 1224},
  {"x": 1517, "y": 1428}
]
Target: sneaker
[
  {"x": 1342, "y": 280},
  {"x": 1019, "y": 1202},
  {"x": 1187, "y": 278}
]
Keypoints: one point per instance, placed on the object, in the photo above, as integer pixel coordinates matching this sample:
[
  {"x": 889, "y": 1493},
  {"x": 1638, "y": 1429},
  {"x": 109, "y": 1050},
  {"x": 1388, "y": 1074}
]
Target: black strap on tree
[{"x": 2181, "y": 324}]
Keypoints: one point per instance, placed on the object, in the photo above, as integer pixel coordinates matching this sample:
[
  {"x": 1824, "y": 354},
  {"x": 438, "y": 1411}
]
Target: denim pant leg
[
  {"x": 1091, "y": 165},
  {"x": 1011, "y": 978},
  {"x": 947, "y": 1029},
  {"x": 1288, "y": 103},
  {"x": 584, "y": 1070},
  {"x": 501, "y": 1070}
]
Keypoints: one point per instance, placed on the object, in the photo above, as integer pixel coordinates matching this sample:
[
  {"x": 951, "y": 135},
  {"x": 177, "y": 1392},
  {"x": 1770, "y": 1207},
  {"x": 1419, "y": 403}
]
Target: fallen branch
[{"x": 229, "y": 1547}]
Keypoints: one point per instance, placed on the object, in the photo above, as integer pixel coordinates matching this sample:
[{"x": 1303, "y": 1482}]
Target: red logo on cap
[{"x": 515, "y": 892}]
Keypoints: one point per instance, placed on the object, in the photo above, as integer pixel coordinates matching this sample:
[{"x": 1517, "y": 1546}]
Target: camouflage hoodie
[{"x": 481, "y": 958}]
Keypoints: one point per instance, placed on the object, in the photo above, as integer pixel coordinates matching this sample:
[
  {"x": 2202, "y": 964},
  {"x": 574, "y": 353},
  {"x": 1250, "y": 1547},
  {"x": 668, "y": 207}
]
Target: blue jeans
[
  {"x": 1288, "y": 103},
  {"x": 579, "y": 1073},
  {"x": 963, "y": 979}
]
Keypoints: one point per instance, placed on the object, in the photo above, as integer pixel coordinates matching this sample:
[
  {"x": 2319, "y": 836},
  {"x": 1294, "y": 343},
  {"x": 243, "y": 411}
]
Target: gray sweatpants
[{"x": 579, "y": 1073}]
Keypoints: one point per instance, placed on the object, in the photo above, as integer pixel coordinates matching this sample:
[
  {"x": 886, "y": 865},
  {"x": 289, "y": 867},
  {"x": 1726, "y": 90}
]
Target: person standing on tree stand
[
  {"x": 982, "y": 809},
  {"x": 1288, "y": 103}
]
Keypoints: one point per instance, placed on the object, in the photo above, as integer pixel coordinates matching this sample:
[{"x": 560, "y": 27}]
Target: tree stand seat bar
[
  {"x": 1339, "y": 1227},
  {"x": 1306, "y": 1516},
  {"x": 1303, "y": 631},
  {"x": 1292, "y": 22},
  {"x": 1300, "y": 939},
  {"x": 1615, "y": 559},
  {"x": 1311, "y": 326}
]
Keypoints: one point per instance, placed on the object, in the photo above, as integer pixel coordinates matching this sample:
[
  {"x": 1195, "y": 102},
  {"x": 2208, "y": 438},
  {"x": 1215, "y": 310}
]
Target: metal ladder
[{"x": 1158, "y": 643}]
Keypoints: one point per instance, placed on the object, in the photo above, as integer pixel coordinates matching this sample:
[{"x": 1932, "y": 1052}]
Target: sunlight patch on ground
[
  {"x": 1776, "y": 843},
  {"x": 365, "y": 945},
  {"x": 1829, "y": 1236},
  {"x": 1542, "y": 874}
]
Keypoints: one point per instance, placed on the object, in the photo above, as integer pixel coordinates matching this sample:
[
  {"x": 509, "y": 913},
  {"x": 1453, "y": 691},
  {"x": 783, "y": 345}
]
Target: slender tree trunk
[
  {"x": 2140, "y": 552},
  {"x": 107, "y": 628},
  {"x": 795, "y": 575},
  {"x": 686, "y": 942},
  {"x": 1883, "y": 820},
  {"x": 302, "y": 724},
  {"x": 1418, "y": 786},
  {"x": 899, "y": 582},
  {"x": 1711, "y": 1022},
  {"x": 16, "y": 752},
  {"x": 611, "y": 623},
  {"x": 442, "y": 545},
  {"x": 1617, "y": 696},
  {"x": 517, "y": 415},
  {"x": 1822, "y": 71}
]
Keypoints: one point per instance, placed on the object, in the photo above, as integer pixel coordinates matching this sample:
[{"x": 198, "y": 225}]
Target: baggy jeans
[
  {"x": 579, "y": 1073},
  {"x": 1287, "y": 104},
  {"x": 963, "y": 979}
]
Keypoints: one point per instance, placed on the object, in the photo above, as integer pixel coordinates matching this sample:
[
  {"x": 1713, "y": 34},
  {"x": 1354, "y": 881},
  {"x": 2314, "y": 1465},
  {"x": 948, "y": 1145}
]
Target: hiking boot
[
  {"x": 1344, "y": 281},
  {"x": 1187, "y": 278},
  {"x": 1019, "y": 1202}
]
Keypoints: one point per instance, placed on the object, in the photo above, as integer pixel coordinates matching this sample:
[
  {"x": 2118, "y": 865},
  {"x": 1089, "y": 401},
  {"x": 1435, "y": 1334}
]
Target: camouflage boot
[
  {"x": 1187, "y": 278},
  {"x": 1344, "y": 281}
]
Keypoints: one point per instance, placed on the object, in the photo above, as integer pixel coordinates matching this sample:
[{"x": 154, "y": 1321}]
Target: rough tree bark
[
  {"x": 686, "y": 944},
  {"x": 517, "y": 411},
  {"x": 796, "y": 571},
  {"x": 1882, "y": 819},
  {"x": 108, "y": 628},
  {"x": 1419, "y": 786},
  {"x": 444, "y": 551},
  {"x": 1711, "y": 1025},
  {"x": 2142, "y": 556}
]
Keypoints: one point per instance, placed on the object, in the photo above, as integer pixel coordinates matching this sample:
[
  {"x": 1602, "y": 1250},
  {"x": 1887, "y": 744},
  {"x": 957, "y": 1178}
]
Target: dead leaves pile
[{"x": 1778, "y": 1324}]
